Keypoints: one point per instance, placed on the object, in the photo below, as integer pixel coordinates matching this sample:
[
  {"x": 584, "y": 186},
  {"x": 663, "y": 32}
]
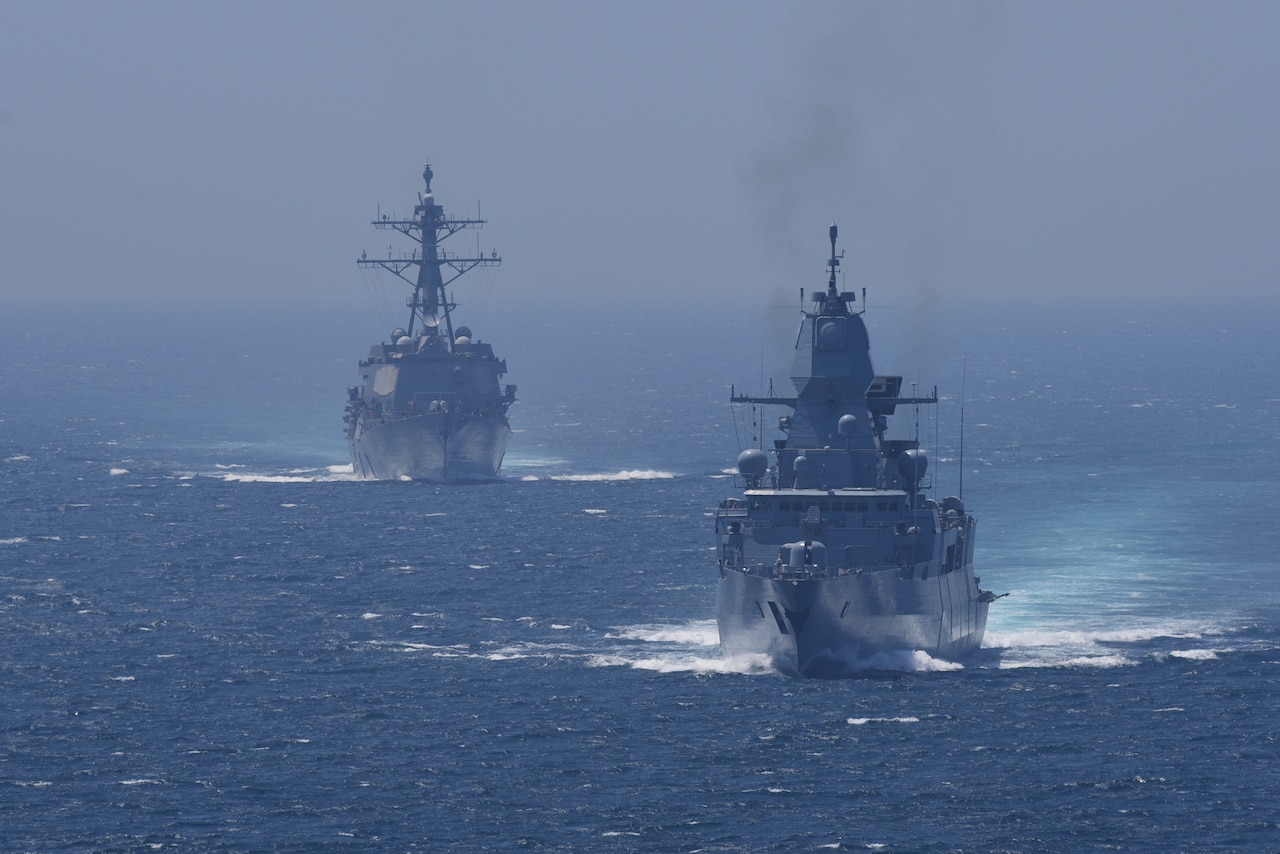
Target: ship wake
[{"x": 1110, "y": 647}]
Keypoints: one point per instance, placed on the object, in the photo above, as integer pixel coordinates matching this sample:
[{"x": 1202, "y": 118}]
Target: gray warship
[
  {"x": 430, "y": 405},
  {"x": 834, "y": 552}
]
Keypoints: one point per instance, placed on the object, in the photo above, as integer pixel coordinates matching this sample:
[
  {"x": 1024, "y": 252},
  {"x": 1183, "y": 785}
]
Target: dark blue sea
[{"x": 212, "y": 638}]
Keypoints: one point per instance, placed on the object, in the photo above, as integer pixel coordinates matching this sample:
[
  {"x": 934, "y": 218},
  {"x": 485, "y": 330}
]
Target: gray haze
[{"x": 235, "y": 151}]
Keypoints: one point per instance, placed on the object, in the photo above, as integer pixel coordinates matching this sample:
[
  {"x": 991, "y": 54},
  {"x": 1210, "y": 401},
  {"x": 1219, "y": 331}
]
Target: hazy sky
[{"x": 169, "y": 151}]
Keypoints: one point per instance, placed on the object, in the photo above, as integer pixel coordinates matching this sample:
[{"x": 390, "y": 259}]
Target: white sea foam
[
  {"x": 1075, "y": 661},
  {"x": 1066, "y": 638},
  {"x": 267, "y": 478},
  {"x": 407, "y": 646},
  {"x": 240, "y": 473},
  {"x": 864, "y": 721},
  {"x": 1195, "y": 654},
  {"x": 16, "y": 458},
  {"x": 119, "y": 471},
  {"x": 13, "y": 541},
  {"x": 1101, "y": 661},
  {"x": 674, "y": 648},
  {"x": 753, "y": 665},
  {"x": 900, "y": 661},
  {"x": 703, "y": 633},
  {"x": 634, "y": 474},
  {"x": 596, "y": 512},
  {"x": 1096, "y": 647}
]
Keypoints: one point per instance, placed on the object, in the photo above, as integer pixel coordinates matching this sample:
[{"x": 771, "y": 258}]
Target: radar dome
[
  {"x": 403, "y": 340},
  {"x": 462, "y": 332},
  {"x": 847, "y": 425},
  {"x": 397, "y": 334},
  {"x": 753, "y": 462},
  {"x": 913, "y": 464},
  {"x": 800, "y": 465},
  {"x": 462, "y": 342}
]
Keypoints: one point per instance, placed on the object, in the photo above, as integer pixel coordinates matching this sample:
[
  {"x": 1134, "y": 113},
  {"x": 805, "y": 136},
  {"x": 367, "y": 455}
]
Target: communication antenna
[
  {"x": 937, "y": 419},
  {"x": 964, "y": 365},
  {"x": 915, "y": 412}
]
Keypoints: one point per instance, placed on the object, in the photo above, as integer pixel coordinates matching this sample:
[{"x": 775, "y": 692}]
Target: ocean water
[{"x": 215, "y": 639}]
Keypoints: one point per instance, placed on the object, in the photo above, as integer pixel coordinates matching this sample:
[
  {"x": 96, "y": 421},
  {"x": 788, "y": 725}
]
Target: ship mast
[{"x": 429, "y": 227}]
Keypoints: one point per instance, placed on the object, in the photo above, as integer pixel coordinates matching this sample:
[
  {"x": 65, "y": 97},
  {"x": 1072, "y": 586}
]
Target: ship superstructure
[
  {"x": 834, "y": 551},
  {"x": 430, "y": 405}
]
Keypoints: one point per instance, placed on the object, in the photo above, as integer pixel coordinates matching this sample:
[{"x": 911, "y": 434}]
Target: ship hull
[
  {"x": 437, "y": 447},
  {"x": 830, "y": 626}
]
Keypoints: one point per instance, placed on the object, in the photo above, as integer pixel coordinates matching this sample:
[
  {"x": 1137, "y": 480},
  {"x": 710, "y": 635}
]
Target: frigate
[
  {"x": 835, "y": 552},
  {"x": 430, "y": 405}
]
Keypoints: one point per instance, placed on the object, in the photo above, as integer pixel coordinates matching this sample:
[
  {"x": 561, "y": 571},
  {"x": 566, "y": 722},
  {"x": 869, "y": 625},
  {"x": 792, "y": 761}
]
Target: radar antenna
[{"x": 428, "y": 228}]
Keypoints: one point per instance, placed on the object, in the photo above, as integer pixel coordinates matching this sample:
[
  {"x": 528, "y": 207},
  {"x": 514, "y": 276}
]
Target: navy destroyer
[
  {"x": 834, "y": 551},
  {"x": 430, "y": 405}
]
